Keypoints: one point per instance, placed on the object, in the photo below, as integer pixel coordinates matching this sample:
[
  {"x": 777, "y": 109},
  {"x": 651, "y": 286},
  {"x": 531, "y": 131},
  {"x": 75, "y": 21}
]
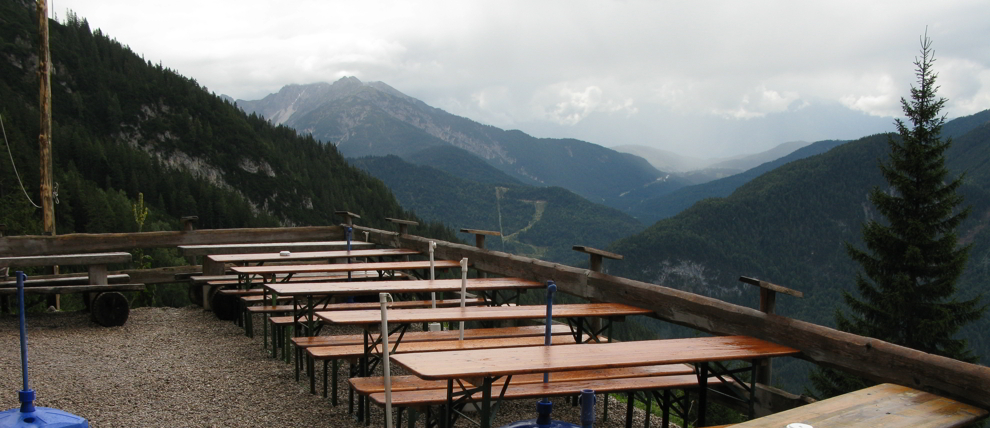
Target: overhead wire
[{"x": 11, "y": 154}]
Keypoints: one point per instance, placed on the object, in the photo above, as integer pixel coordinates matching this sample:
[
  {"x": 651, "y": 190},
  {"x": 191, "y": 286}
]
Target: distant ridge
[{"x": 374, "y": 119}]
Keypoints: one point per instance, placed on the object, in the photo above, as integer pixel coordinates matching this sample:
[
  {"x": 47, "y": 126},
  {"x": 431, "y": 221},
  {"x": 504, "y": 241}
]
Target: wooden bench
[
  {"x": 279, "y": 324},
  {"x": 413, "y": 393},
  {"x": 352, "y": 353},
  {"x": 304, "y": 343}
]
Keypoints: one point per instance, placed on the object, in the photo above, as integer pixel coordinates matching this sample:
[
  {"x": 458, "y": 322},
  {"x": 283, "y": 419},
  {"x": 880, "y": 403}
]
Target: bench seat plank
[
  {"x": 535, "y": 390},
  {"x": 67, "y": 259},
  {"x": 72, "y": 279},
  {"x": 419, "y": 336},
  {"x": 68, "y": 289},
  {"x": 371, "y": 385}
]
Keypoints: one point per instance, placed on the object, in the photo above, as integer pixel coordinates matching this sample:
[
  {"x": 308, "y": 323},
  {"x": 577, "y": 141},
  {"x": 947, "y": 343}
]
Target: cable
[{"x": 12, "y": 163}]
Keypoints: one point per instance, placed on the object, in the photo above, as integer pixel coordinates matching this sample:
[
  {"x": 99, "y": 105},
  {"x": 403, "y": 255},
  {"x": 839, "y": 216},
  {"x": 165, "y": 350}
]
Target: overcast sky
[{"x": 701, "y": 78}]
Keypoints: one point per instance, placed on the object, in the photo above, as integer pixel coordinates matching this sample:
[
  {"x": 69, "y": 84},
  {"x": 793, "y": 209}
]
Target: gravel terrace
[{"x": 181, "y": 367}]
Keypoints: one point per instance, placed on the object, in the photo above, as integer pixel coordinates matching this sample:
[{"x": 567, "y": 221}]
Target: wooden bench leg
[{"x": 630, "y": 402}]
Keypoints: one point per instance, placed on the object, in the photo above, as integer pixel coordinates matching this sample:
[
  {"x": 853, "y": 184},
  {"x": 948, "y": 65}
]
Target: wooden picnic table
[
  {"x": 107, "y": 306},
  {"x": 483, "y": 368},
  {"x": 884, "y": 405},
  {"x": 319, "y": 293},
  {"x": 96, "y": 262}
]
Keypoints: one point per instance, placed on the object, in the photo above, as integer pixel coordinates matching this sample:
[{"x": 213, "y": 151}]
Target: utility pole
[{"x": 45, "y": 106}]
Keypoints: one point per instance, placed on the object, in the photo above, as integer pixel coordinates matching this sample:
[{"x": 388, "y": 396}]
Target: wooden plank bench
[
  {"x": 352, "y": 353},
  {"x": 413, "y": 393}
]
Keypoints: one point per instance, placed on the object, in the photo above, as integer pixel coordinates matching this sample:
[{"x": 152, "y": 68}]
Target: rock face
[{"x": 374, "y": 119}]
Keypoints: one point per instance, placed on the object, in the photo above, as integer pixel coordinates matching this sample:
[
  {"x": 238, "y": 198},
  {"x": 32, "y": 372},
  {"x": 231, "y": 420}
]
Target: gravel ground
[{"x": 181, "y": 367}]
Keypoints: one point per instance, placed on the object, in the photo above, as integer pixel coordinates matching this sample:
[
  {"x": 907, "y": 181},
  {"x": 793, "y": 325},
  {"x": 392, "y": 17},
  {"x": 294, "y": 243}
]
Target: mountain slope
[
  {"x": 789, "y": 226},
  {"x": 123, "y": 126},
  {"x": 374, "y": 119},
  {"x": 650, "y": 208},
  {"x": 542, "y": 222}
]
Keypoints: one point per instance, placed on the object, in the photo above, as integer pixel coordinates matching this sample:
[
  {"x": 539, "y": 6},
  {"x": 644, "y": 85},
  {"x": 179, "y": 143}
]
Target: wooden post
[
  {"x": 4, "y": 300},
  {"x": 479, "y": 236},
  {"x": 45, "y": 107},
  {"x": 189, "y": 223},
  {"x": 768, "y": 304},
  {"x": 348, "y": 217},
  {"x": 596, "y": 256},
  {"x": 596, "y": 266},
  {"x": 403, "y": 224}
]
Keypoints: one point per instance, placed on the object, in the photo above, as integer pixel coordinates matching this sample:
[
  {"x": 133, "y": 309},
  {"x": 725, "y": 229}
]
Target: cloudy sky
[{"x": 701, "y": 78}]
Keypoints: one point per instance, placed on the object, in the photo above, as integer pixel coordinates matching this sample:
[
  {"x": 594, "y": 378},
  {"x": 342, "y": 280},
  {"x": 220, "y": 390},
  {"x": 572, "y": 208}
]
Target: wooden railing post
[
  {"x": 768, "y": 304},
  {"x": 479, "y": 236},
  {"x": 597, "y": 257},
  {"x": 403, "y": 224},
  {"x": 403, "y": 228},
  {"x": 348, "y": 217}
]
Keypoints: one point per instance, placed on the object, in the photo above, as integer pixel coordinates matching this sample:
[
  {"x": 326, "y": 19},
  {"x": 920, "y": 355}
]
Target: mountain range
[{"x": 374, "y": 119}]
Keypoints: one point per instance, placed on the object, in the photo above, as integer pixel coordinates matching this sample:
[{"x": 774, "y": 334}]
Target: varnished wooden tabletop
[
  {"x": 885, "y": 405},
  {"x": 309, "y": 255},
  {"x": 511, "y": 361},
  {"x": 399, "y": 286},
  {"x": 342, "y": 267},
  {"x": 482, "y": 313}
]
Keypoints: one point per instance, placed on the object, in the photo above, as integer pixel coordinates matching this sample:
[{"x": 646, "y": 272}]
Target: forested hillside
[
  {"x": 541, "y": 222},
  {"x": 124, "y": 126},
  {"x": 789, "y": 227}
]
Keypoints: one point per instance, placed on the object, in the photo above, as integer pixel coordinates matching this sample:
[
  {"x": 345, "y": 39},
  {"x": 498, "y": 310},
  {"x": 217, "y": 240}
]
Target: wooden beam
[
  {"x": 862, "y": 356},
  {"x": 101, "y": 242}
]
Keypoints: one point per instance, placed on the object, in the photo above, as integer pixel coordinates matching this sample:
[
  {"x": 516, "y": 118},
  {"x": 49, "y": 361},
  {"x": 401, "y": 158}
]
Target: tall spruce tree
[{"x": 913, "y": 259}]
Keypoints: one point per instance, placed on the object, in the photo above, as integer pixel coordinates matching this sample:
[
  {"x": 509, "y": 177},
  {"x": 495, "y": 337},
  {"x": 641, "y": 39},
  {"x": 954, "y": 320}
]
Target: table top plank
[
  {"x": 342, "y": 267},
  {"x": 482, "y": 313},
  {"x": 885, "y": 405},
  {"x": 66, "y": 259},
  {"x": 309, "y": 255},
  {"x": 399, "y": 286},
  {"x": 207, "y": 249},
  {"x": 512, "y": 361}
]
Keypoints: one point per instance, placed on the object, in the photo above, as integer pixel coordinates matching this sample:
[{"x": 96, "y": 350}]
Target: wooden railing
[{"x": 864, "y": 356}]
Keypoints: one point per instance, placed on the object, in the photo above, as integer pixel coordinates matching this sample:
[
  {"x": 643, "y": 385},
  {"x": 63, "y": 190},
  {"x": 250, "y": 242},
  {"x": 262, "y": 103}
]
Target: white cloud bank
[{"x": 604, "y": 71}]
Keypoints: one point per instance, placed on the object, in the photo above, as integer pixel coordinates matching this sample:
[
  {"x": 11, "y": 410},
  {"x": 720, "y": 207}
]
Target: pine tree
[{"x": 913, "y": 260}]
